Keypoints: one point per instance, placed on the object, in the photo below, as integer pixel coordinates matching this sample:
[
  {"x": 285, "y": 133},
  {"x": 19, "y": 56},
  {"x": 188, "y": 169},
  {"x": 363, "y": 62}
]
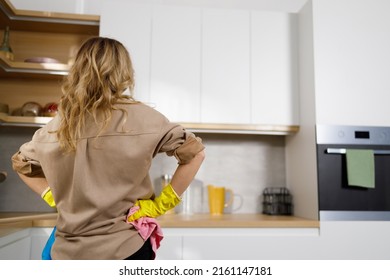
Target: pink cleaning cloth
[{"x": 147, "y": 228}]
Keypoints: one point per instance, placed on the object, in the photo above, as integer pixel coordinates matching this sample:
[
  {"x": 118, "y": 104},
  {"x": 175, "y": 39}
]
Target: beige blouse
[{"x": 95, "y": 186}]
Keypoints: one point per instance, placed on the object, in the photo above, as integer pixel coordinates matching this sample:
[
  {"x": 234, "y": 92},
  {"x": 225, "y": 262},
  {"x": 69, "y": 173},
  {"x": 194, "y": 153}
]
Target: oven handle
[{"x": 341, "y": 151}]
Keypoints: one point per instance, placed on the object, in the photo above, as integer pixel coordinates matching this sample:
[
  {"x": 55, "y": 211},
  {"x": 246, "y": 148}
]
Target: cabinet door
[
  {"x": 251, "y": 244},
  {"x": 39, "y": 237},
  {"x": 225, "y": 78},
  {"x": 15, "y": 246},
  {"x": 274, "y": 68},
  {"x": 18, "y": 250},
  {"x": 171, "y": 248},
  {"x": 175, "y": 62},
  {"x": 131, "y": 24},
  {"x": 352, "y": 62}
]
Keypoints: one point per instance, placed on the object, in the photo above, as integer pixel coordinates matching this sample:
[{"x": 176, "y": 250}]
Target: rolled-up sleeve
[
  {"x": 23, "y": 161},
  {"x": 181, "y": 144}
]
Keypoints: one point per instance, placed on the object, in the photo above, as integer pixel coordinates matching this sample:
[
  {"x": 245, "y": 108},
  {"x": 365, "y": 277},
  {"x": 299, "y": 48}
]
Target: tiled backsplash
[
  {"x": 15, "y": 196},
  {"x": 245, "y": 163}
]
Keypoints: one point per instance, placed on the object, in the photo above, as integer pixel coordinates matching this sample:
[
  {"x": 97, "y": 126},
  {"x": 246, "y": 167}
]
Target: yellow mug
[{"x": 217, "y": 199}]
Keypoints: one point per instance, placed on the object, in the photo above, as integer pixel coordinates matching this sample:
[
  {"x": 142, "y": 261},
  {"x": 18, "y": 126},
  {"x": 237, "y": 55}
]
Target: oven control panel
[{"x": 352, "y": 135}]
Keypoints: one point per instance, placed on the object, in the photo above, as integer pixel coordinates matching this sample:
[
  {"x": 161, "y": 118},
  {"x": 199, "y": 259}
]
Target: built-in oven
[{"x": 338, "y": 200}]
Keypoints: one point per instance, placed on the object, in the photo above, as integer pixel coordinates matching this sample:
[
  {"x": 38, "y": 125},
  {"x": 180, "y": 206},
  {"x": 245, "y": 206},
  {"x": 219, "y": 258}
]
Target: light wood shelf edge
[
  {"x": 242, "y": 128},
  {"x": 29, "y": 67},
  {"x": 195, "y": 127},
  {"x": 6, "y": 119}
]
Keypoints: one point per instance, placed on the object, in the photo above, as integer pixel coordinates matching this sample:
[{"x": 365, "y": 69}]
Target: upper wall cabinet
[
  {"x": 352, "y": 62},
  {"x": 176, "y": 62},
  {"x": 274, "y": 68},
  {"x": 225, "y": 84},
  {"x": 164, "y": 44},
  {"x": 132, "y": 25},
  {"x": 210, "y": 65}
]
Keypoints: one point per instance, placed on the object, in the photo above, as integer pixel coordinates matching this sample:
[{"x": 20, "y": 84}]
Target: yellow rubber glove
[
  {"x": 153, "y": 208},
  {"x": 48, "y": 197}
]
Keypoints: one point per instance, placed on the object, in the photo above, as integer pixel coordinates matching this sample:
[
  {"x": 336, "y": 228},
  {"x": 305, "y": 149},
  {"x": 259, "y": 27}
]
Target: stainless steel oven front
[{"x": 337, "y": 199}]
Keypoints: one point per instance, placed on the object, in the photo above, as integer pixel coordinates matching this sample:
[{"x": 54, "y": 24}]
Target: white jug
[{"x": 192, "y": 199}]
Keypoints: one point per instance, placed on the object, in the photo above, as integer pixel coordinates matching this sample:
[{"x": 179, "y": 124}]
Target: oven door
[{"x": 338, "y": 200}]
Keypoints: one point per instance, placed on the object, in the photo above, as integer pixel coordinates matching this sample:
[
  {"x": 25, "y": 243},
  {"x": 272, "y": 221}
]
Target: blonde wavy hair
[{"x": 102, "y": 71}]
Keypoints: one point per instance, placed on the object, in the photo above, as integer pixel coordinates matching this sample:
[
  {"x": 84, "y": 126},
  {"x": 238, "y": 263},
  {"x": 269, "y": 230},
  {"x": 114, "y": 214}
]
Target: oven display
[{"x": 362, "y": 134}]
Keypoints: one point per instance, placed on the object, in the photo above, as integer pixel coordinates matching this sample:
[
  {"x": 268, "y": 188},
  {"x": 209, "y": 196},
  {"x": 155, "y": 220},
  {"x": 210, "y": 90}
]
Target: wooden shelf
[
  {"x": 47, "y": 21},
  {"x": 27, "y": 68},
  {"x": 6, "y": 120},
  {"x": 57, "y": 35}
]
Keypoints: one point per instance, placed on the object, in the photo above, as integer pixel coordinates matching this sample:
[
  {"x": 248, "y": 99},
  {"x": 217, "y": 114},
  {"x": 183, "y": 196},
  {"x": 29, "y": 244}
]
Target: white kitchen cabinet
[
  {"x": 274, "y": 68},
  {"x": 349, "y": 240},
  {"x": 225, "y": 92},
  {"x": 198, "y": 64},
  {"x": 346, "y": 240},
  {"x": 243, "y": 243},
  {"x": 335, "y": 241},
  {"x": 171, "y": 248},
  {"x": 164, "y": 44},
  {"x": 15, "y": 246},
  {"x": 251, "y": 244},
  {"x": 39, "y": 237},
  {"x": 176, "y": 62},
  {"x": 363, "y": 240},
  {"x": 131, "y": 24},
  {"x": 352, "y": 62},
  {"x": 26, "y": 244}
]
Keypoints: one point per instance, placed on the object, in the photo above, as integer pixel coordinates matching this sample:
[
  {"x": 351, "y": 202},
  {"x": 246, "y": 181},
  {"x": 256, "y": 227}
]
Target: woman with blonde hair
[{"x": 92, "y": 160}]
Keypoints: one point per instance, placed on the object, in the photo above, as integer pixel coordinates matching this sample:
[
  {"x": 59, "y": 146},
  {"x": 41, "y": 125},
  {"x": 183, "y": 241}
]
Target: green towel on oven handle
[{"x": 360, "y": 168}]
